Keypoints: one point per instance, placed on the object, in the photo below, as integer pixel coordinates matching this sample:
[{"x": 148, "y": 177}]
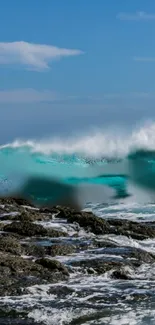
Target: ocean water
[
  {"x": 112, "y": 163},
  {"x": 114, "y": 176}
]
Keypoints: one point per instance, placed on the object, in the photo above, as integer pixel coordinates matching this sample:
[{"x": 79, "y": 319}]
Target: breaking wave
[{"x": 108, "y": 159}]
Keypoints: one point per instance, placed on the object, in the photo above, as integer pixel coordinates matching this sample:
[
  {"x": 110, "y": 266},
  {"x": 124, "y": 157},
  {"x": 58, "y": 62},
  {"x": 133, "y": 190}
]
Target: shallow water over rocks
[{"x": 60, "y": 266}]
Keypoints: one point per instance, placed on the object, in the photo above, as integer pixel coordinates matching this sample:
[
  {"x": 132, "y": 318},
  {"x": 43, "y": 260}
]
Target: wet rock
[
  {"x": 30, "y": 216},
  {"x": 17, "y": 265},
  {"x": 14, "y": 201},
  {"x": 63, "y": 212},
  {"x": 99, "y": 226},
  {"x": 17, "y": 273},
  {"x": 59, "y": 249},
  {"x": 55, "y": 233},
  {"x": 11, "y": 245},
  {"x": 61, "y": 291},
  {"x": 84, "y": 245},
  {"x": 138, "y": 256},
  {"x": 4, "y": 270},
  {"x": 2, "y": 225},
  {"x": 9, "y": 216},
  {"x": 7, "y": 234},
  {"x": 34, "y": 250},
  {"x": 104, "y": 243},
  {"x": 90, "y": 222},
  {"x": 24, "y": 214},
  {"x": 52, "y": 265},
  {"x": 21, "y": 201},
  {"x": 7, "y": 212},
  {"x": 11, "y": 316},
  {"x": 131, "y": 229},
  {"x": 49, "y": 210},
  {"x": 120, "y": 275},
  {"x": 26, "y": 229},
  {"x": 20, "y": 320},
  {"x": 98, "y": 266},
  {"x": 52, "y": 250},
  {"x": 29, "y": 229}
]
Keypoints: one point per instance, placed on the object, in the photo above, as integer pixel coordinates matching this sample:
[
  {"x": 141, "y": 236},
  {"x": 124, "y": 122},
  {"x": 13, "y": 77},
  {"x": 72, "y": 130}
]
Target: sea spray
[{"x": 101, "y": 159}]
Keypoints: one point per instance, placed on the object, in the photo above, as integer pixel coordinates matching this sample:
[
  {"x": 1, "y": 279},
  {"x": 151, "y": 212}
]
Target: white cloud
[
  {"x": 144, "y": 59},
  {"x": 138, "y": 16},
  {"x": 33, "y": 56}
]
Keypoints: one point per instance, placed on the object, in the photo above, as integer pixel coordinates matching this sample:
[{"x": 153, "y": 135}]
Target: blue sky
[{"x": 67, "y": 65}]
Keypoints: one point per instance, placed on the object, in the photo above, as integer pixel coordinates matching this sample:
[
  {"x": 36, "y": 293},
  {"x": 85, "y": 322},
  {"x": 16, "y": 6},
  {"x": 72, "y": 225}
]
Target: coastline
[{"x": 40, "y": 246}]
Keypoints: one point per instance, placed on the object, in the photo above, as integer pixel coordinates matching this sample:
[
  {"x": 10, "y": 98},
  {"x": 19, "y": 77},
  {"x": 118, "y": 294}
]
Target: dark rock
[
  {"x": 104, "y": 243},
  {"x": 52, "y": 265},
  {"x": 25, "y": 215},
  {"x": 11, "y": 245},
  {"x": 20, "y": 320},
  {"x": 7, "y": 234},
  {"x": 59, "y": 250},
  {"x": 61, "y": 291},
  {"x": 98, "y": 226},
  {"x": 2, "y": 225},
  {"x": 131, "y": 229},
  {"x": 138, "y": 256},
  {"x": 30, "y": 215},
  {"x": 34, "y": 250},
  {"x": 90, "y": 222},
  {"x": 4, "y": 270},
  {"x": 55, "y": 233},
  {"x": 99, "y": 266},
  {"x": 21, "y": 201},
  {"x": 51, "y": 250},
  {"x": 14, "y": 201},
  {"x": 9, "y": 216},
  {"x": 64, "y": 212},
  {"x": 49, "y": 210},
  {"x": 8, "y": 212},
  {"x": 12, "y": 316},
  {"x": 120, "y": 275},
  {"x": 27, "y": 228},
  {"x": 17, "y": 273}
]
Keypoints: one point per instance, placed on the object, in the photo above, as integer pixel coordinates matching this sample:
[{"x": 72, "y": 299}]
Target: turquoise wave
[{"x": 19, "y": 163}]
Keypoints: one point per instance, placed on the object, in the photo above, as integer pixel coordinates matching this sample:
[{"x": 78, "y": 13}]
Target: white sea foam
[
  {"x": 97, "y": 144},
  {"x": 90, "y": 296},
  {"x": 129, "y": 317}
]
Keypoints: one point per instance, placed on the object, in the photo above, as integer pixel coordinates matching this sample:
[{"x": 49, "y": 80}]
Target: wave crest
[
  {"x": 110, "y": 144},
  {"x": 109, "y": 158}
]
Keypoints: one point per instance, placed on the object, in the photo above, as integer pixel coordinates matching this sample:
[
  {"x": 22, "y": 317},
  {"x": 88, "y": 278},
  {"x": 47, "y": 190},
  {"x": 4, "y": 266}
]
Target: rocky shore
[{"x": 31, "y": 243}]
